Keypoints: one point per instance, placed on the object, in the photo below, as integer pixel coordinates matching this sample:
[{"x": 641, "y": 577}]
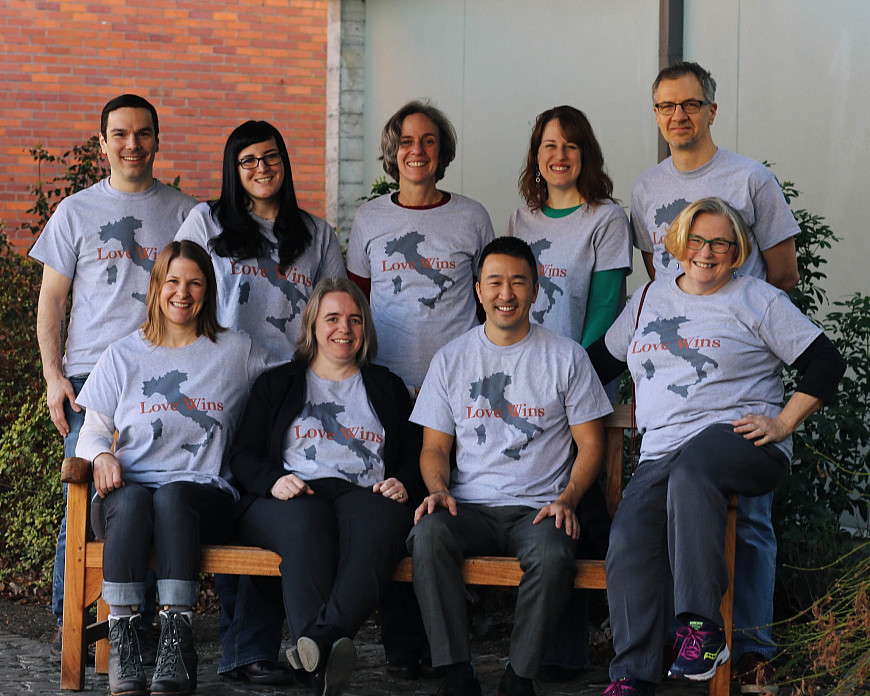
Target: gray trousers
[
  {"x": 438, "y": 544},
  {"x": 666, "y": 543}
]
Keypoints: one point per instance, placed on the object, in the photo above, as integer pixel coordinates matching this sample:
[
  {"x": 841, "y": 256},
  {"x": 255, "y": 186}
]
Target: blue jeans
[
  {"x": 754, "y": 577},
  {"x": 252, "y": 618},
  {"x": 175, "y": 518}
]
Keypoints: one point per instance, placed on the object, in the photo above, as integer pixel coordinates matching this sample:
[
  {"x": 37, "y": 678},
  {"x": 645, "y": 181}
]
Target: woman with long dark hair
[
  {"x": 268, "y": 255},
  {"x": 578, "y": 233},
  {"x": 268, "y": 252}
]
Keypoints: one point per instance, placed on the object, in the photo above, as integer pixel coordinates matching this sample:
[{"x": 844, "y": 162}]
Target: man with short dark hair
[
  {"x": 684, "y": 103},
  {"x": 100, "y": 245},
  {"x": 523, "y": 407}
]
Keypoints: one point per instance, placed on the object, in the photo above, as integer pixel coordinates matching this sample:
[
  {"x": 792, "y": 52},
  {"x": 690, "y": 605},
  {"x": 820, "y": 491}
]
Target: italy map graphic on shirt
[
  {"x": 327, "y": 414},
  {"x": 407, "y": 247},
  {"x": 492, "y": 389},
  {"x": 665, "y": 215},
  {"x": 124, "y": 232},
  {"x": 687, "y": 349},
  {"x": 546, "y": 284},
  {"x": 296, "y": 300},
  {"x": 169, "y": 387}
]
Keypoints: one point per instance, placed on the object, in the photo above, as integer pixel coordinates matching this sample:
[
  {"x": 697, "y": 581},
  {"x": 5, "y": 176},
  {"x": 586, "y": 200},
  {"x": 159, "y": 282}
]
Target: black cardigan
[{"x": 257, "y": 452}]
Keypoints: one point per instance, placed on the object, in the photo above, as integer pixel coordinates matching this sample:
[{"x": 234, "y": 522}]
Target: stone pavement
[{"x": 26, "y": 667}]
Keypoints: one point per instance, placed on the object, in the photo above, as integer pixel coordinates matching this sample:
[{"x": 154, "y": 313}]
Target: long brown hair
[
  {"x": 593, "y": 183},
  {"x": 207, "y": 324}
]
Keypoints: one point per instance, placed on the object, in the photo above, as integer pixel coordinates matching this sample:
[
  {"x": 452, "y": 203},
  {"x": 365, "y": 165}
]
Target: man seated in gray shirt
[{"x": 524, "y": 407}]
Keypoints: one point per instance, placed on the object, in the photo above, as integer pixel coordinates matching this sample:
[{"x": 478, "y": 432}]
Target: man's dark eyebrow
[
  {"x": 146, "y": 129},
  {"x": 524, "y": 276}
]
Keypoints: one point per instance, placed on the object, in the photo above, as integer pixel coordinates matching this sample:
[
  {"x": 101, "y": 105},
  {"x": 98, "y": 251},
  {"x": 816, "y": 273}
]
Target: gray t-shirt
[
  {"x": 175, "y": 409},
  {"x": 510, "y": 409},
  {"x": 569, "y": 250},
  {"x": 337, "y": 434},
  {"x": 697, "y": 360},
  {"x": 253, "y": 294},
  {"x": 661, "y": 193},
  {"x": 107, "y": 241},
  {"x": 422, "y": 265}
]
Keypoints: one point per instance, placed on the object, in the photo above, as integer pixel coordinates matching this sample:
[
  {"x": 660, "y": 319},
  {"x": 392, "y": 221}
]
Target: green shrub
[
  {"x": 829, "y": 475},
  {"x": 81, "y": 167},
  {"x": 30, "y": 494},
  {"x": 20, "y": 367}
]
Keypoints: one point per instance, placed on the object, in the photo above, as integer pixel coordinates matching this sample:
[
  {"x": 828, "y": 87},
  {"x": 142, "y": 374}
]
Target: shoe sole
[
  {"x": 293, "y": 659},
  {"x": 339, "y": 666},
  {"x": 721, "y": 659},
  {"x": 309, "y": 654}
]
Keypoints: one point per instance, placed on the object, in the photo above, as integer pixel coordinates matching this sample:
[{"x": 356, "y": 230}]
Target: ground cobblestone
[{"x": 26, "y": 667}]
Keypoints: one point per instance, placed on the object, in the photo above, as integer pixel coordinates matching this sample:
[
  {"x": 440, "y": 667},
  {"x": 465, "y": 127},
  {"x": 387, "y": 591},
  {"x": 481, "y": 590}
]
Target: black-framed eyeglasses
[
  {"x": 690, "y": 106},
  {"x": 251, "y": 162},
  {"x": 717, "y": 246}
]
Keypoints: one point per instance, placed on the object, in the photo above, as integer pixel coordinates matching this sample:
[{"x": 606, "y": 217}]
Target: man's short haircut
[
  {"x": 510, "y": 246},
  {"x": 392, "y": 135},
  {"x": 128, "y": 101},
  {"x": 677, "y": 70}
]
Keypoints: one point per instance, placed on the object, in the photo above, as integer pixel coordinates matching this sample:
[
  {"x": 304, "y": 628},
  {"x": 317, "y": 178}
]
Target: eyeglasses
[
  {"x": 717, "y": 246},
  {"x": 690, "y": 106},
  {"x": 250, "y": 162}
]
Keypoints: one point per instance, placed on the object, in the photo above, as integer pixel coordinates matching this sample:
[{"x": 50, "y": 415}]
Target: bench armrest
[{"x": 76, "y": 470}]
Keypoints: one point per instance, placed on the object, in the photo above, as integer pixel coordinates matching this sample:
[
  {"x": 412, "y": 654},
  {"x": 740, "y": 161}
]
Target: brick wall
[{"x": 207, "y": 66}]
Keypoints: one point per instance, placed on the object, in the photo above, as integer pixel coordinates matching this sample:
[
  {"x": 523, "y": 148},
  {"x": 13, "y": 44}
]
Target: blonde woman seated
[
  {"x": 705, "y": 350},
  {"x": 327, "y": 462},
  {"x": 174, "y": 390}
]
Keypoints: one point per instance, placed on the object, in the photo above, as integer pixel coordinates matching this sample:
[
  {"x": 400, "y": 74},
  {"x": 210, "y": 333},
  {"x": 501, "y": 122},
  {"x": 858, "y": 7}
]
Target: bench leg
[
  {"x": 72, "y": 666},
  {"x": 101, "y": 660},
  {"x": 720, "y": 685}
]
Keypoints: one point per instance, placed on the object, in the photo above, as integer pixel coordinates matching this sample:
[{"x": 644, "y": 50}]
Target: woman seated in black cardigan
[{"x": 326, "y": 461}]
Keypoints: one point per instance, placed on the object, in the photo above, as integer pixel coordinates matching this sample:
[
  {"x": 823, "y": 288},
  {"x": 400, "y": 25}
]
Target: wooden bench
[{"x": 84, "y": 564}]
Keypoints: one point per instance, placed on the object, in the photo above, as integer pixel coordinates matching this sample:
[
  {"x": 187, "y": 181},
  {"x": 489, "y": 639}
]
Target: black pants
[{"x": 338, "y": 548}]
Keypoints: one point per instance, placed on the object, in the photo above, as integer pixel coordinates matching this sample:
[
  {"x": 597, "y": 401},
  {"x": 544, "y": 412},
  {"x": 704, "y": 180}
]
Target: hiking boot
[
  {"x": 629, "y": 687},
  {"x": 126, "y": 676},
  {"x": 513, "y": 685},
  {"x": 702, "y": 650},
  {"x": 176, "y": 656}
]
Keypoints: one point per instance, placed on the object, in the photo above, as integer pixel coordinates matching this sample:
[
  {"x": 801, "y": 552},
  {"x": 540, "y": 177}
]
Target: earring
[{"x": 537, "y": 176}]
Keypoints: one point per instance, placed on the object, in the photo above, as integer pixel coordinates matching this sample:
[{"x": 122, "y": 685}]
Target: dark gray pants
[
  {"x": 439, "y": 542},
  {"x": 666, "y": 543}
]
